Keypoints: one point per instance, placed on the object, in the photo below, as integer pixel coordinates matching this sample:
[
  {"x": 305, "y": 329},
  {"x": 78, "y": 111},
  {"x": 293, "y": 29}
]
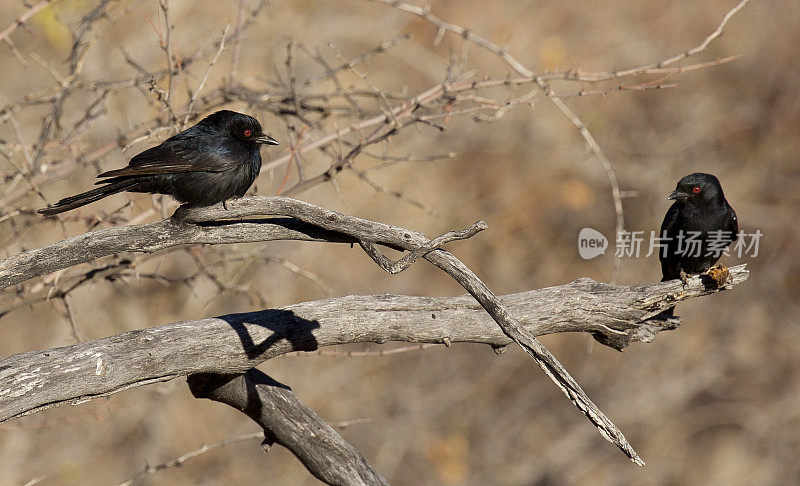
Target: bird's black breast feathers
[{"x": 704, "y": 217}]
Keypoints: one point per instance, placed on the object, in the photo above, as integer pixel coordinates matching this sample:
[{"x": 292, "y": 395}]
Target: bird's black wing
[
  {"x": 732, "y": 223},
  {"x": 175, "y": 155},
  {"x": 670, "y": 227}
]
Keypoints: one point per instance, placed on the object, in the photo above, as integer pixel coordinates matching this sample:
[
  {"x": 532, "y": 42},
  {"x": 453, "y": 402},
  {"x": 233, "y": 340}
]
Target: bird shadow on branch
[{"x": 284, "y": 324}]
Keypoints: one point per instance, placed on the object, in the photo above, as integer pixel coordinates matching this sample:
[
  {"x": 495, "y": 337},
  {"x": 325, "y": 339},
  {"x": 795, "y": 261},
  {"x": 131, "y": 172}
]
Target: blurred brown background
[{"x": 715, "y": 402}]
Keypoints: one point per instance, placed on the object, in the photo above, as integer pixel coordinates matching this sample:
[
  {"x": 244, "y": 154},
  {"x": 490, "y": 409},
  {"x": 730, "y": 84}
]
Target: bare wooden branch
[
  {"x": 231, "y": 344},
  {"x": 372, "y": 116},
  {"x": 414, "y": 255},
  {"x": 363, "y": 231},
  {"x": 288, "y": 422},
  {"x": 214, "y": 225},
  {"x": 150, "y": 238},
  {"x": 514, "y": 329},
  {"x": 190, "y": 224}
]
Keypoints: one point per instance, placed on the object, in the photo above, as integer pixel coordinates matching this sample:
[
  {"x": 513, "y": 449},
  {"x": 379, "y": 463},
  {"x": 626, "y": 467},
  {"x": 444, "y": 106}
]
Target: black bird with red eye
[
  {"x": 697, "y": 227},
  {"x": 213, "y": 161}
]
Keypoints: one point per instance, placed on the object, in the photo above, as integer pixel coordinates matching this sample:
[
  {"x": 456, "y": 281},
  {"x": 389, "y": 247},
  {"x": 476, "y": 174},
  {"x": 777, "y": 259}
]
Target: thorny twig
[
  {"x": 361, "y": 117},
  {"x": 541, "y": 82},
  {"x": 178, "y": 461},
  {"x": 21, "y": 22}
]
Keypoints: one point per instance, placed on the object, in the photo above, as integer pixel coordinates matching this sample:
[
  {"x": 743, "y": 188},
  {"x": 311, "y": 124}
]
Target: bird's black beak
[
  {"x": 676, "y": 194},
  {"x": 266, "y": 139}
]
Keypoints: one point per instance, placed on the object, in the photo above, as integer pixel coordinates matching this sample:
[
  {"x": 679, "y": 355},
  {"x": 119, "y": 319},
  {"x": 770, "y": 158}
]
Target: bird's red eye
[
  {"x": 247, "y": 133},
  {"x": 696, "y": 189}
]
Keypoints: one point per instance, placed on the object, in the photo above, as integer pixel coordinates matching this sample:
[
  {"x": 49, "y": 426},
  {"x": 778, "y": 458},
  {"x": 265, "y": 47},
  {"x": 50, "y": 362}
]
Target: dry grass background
[{"x": 715, "y": 402}]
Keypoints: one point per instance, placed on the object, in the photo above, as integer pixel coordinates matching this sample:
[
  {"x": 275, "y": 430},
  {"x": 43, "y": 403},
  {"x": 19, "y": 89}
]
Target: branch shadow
[
  {"x": 289, "y": 223},
  {"x": 312, "y": 231}
]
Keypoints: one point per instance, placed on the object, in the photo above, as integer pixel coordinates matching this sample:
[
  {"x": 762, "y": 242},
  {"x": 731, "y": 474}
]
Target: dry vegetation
[{"x": 395, "y": 116}]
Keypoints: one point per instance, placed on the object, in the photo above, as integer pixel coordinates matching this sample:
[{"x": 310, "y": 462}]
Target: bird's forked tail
[{"x": 87, "y": 197}]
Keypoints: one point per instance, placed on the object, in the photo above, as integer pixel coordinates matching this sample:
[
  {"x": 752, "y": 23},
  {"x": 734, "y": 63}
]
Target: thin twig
[
  {"x": 190, "y": 105},
  {"x": 178, "y": 461},
  {"x": 20, "y": 22},
  {"x": 573, "y": 118},
  {"x": 237, "y": 39}
]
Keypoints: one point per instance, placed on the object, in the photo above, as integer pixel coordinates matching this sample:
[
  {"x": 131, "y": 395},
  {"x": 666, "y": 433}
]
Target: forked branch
[{"x": 244, "y": 220}]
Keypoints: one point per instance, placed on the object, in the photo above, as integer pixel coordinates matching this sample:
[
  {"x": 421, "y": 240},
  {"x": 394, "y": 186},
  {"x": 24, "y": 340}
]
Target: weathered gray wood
[
  {"x": 219, "y": 225},
  {"x": 235, "y": 343},
  {"x": 212, "y": 225},
  {"x": 515, "y": 329},
  {"x": 152, "y": 237},
  {"x": 369, "y": 232},
  {"x": 288, "y": 422}
]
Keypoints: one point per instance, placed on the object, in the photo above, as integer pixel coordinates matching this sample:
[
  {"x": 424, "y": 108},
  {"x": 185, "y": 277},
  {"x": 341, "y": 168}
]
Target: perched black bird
[
  {"x": 211, "y": 162},
  {"x": 698, "y": 226}
]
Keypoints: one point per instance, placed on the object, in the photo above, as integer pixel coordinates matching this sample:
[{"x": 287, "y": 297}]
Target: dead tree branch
[
  {"x": 333, "y": 115},
  {"x": 323, "y": 105},
  {"x": 339, "y": 227},
  {"x": 218, "y": 225},
  {"x": 288, "y": 422},
  {"x": 235, "y": 343}
]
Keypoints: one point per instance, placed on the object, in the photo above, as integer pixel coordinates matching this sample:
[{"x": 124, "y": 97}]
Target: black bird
[
  {"x": 699, "y": 214},
  {"x": 211, "y": 162}
]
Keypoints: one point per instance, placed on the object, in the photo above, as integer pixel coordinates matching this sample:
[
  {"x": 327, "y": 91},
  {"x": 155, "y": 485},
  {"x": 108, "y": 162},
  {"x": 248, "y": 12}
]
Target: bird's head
[
  {"x": 697, "y": 187},
  {"x": 240, "y": 126}
]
